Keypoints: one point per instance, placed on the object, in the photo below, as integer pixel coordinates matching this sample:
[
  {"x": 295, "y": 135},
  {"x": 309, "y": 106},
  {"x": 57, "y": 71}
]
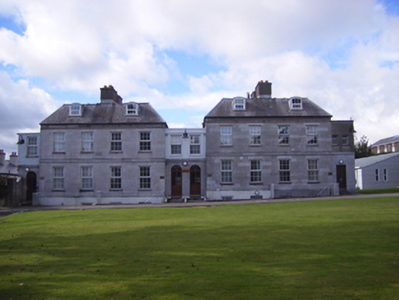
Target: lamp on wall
[
  {"x": 185, "y": 134},
  {"x": 341, "y": 161},
  {"x": 185, "y": 163}
]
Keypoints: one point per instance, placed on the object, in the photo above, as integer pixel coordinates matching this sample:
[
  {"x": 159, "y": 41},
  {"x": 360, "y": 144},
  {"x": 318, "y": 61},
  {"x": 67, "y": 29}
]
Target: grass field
[{"x": 339, "y": 249}]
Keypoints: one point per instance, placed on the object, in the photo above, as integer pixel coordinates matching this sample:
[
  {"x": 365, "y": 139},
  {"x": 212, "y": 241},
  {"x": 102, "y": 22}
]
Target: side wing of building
[{"x": 105, "y": 153}]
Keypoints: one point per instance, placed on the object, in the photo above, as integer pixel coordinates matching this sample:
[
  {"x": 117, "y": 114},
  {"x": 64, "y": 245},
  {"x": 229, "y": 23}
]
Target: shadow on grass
[{"x": 314, "y": 254}]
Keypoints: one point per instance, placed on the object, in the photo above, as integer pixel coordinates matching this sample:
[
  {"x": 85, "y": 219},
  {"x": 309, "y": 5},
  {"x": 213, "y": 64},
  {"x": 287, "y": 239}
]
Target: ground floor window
[
  {"x": 285, "y": 173},
  {"x": 313, "y": 170},
  {"x": 377, "y": 175},
  {"x": 87, "y": 178},
  {"x": 256, "y": 171},
  {"x": 385, "y": 175},
  {"x": 145, "y": 178},
  {"x": 116, "y": 178},
  {"x": 226, "y": 171},
  {"x": 58, "y": 178}
]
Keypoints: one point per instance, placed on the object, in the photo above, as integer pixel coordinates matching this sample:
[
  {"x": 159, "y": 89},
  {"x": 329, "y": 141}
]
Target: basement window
[{"x": 295, "y": 103}]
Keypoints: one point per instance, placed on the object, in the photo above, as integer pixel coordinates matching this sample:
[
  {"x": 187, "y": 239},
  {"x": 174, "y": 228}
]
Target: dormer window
[
  {"x": 132, "y": 109},
  {"x": 239, "y": 103},
  {"x": 295, "y": 103},
  {"x": 75, "y": 110}
]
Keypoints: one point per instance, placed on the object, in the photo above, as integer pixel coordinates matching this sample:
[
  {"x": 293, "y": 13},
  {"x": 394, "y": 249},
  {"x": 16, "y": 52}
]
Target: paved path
[{"x": 5, "y": 211}]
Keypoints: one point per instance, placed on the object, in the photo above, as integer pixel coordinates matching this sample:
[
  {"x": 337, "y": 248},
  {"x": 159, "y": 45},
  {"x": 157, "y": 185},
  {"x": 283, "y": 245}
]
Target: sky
[{"x": 184, "y": 56}]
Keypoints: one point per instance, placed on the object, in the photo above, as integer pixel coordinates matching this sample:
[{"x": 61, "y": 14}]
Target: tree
[{"x": 362, "y": 148}]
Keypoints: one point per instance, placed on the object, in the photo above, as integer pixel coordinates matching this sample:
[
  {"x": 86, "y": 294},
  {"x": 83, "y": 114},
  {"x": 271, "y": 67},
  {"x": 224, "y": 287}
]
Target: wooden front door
[
  {"x": 195, "y": 181},
  {"x": 176, "y": 181},
  {"x": 341, "y": 176}
]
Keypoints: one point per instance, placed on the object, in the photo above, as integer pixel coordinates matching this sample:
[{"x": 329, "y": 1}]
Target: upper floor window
[
  {"x": 175, "y": 144},
  {"x": 345, "y": 140},
  {"x": 116, "y": 141},
  {"x": 132, "y": 109},
  {"x": 254, "y": 135},
  {"x": 195, "y": 144},
  {"x": 87, "y": 141},
  {"x": 226, "y": 135},
  {"x": 335, "y": 141},
  {"x": 312, "y": 133},
  {"x": 295, "y": 103},
  {"x": 283, "y": 134},
  {"x": 145, "y": 141},
  {"x": 75, "y": 110},
  {"x": 59, "y": 142},
  {"x": 239, "y": 103},
  {"x": 32, "y": 146}
]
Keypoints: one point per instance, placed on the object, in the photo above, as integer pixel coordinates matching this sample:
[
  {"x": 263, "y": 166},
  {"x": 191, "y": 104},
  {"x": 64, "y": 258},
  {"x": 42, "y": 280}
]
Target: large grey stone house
[{"x": 249, "y": 147}]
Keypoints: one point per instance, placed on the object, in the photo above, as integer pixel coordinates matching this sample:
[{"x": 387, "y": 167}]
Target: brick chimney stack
[
  {"x": 2, "y": 157},
  {"x": 14, "y": 158},
  {"x": 262, "y": 90},
  {"x": 109, "y": 95}
]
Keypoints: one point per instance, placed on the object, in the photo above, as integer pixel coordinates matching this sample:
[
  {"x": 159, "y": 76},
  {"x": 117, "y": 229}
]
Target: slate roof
[
  {"x": 266, "y": 107},
  {"x": 388, "y": 140},
  {"x": 104, "y": 114},
  {"x": 368, "y": 161}
]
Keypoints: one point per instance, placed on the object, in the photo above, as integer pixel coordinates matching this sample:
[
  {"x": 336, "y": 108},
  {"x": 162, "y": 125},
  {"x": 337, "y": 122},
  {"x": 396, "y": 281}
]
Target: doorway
[
  {"x": 341, "y": 177},
  {"x": 176, "y": 181},
  {"x": 30, "y": 185},
  {"x": 195, "y": 182}
]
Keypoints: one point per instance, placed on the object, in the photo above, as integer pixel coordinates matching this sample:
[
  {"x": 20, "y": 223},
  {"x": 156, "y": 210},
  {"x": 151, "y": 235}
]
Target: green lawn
[{"x": 339, "y": 249}]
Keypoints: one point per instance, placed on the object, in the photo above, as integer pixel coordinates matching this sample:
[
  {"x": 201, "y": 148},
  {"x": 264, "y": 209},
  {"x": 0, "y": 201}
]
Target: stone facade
[{"x": 257, "y": 147}]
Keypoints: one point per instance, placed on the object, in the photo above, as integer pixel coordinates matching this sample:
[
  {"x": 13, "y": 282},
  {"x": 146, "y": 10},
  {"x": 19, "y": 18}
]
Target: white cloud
[
  {"x": 341, "y": 54},
  {"x": 22, "y": 109}
]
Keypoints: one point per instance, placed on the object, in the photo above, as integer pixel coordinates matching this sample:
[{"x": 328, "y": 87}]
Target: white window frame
[
  {"x": 312, "y": 134},
  {"x": 175, "y": 144},
  {"x": 226, "y": 135},
  {"x": 313, "y": 170},
  {"x": 75, "y": 109},
  {"x": 116, "y": 141},
  {"x": 86, "y": 173},
  {"x": 145, "y": 178},
  {"x": 239, "y": 103},
  {"x": 335, "y": 140},
  {"x": 59, "y": 142},
  {"x": 116, "y": 178},
  {"x": 226, "y": 171},
  {"x": 255, "y": 135},
  {"x": 283, "y": 134},
  {"x": 58, "y": 178},
  {"x": 145, "y": 141},
  {"x": 87, "y": 141},
  {"x": 132, "y": 109},
  {"x": 195, "y": 147},
  {"x": 296, "y": 103},
  {"x": 31, "y": 146},
  {"x": 284, "y": 170},
  {"x": 255, "y": 171}
]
